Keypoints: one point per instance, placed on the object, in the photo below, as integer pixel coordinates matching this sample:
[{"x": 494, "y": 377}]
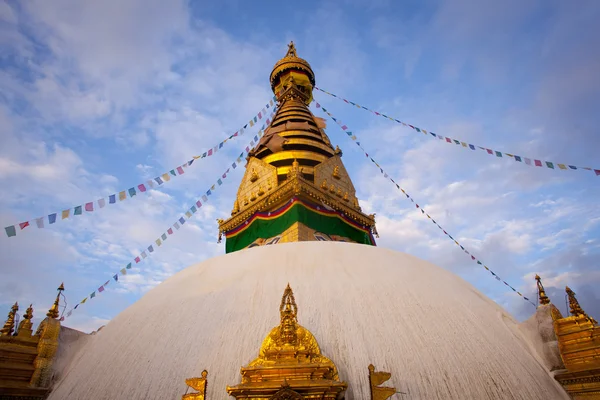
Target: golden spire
[
  {"x": 53, "y": 312},
  {"x": 541, "y": 292},
  {"x": 574, "y": 306},
  {"x": 9, "y": 326},
  {"x": 25, "y": 324}
]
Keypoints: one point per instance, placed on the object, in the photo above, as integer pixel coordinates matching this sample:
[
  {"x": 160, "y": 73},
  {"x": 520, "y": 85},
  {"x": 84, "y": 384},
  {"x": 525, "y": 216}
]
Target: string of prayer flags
[
  {"x": 163, "y": 237},
  {"x": 526, "y": 160},
  {"x": 142, "y": 187},
  {"x": 409, "y": 197}
]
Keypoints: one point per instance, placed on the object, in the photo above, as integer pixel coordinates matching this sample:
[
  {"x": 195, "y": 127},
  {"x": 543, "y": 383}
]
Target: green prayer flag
[
  {"x": 77, "y": 210},
  {"x": 10, "y": 231},
  {"x": 549, "y": 164}
]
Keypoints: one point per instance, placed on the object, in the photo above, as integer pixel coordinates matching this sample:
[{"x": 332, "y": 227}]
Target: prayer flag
[
  {"x": 255, "y": 119},
  {"x": 77, "y": 210},
  {"x": 572, "y": 167},
  {"x": 173, "y": 172},
  {"x": 163, "y": 236},
  {"x": 597, "y": 172},
  {"x": 101, "y": 289},
  {"x": 210, "y": 152},
  {"x": 193, "y": 209},
  {"x": 176, "y": 225},
  {"x": 89, "y": 206},
  {"x": 69, "y": 313},
  {"x": 158, "y": 180},
  {"x": 128, "y": 266},
  {"x": 549, "y": 164},
  {"x": 122, "y": 195},
  {"x": 40, "y": 222},
  {"x": 92, "y": 295},
  {"x": 52, "y": 218},
  {"x": 188, "y": 214},
  {"x": 150, "y": 184},
  {"x": 101, "y": 203},
  {"x": 112, "y": 199},
  {"x": 527, "y": 161},
  {"x": 472, "y": 147},
  {"x": 144, "y": 255},
  {"x": 448, "y": 140},
  {"x": 166, "y": 177},
  {"x": 562, "y": 166},
  {"x": 10, "y": 231},
  {"x": 256, "y": 138},
  {"x": 123, "y": 271},
  {"x": 204, "y": 198},
  {"x": 498, "y": 154},
  {"x": 463, "y": 144},
  {"x": 82, "y": 302},
  {"x": 132, "y": 192},
  {"x": 538, "y": 163},
  {"x": 259, "y": 115},
  {"x": 219, "y": 181},
  {"x": 198, "y": 204},
  {"x": 208, "y": 192},
  {"x": 518, "y": 158},
  {"x": 170, "y": 231},
  {"x": 150, "y": 249},
  {"x": 137, "y": 260},
  {"x": 181, "y": 220},
  {"x": 158, "y": 242},
  {"x": 141, "y": 187},
  {"x": 65, "y": 214}
]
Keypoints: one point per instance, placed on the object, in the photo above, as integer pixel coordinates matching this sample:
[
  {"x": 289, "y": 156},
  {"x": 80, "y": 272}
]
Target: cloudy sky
[{"x": 98, "y": 96}]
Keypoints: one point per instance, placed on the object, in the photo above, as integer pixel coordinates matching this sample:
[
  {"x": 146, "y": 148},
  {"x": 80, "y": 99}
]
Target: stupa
[{"x": 355, "y": 321}]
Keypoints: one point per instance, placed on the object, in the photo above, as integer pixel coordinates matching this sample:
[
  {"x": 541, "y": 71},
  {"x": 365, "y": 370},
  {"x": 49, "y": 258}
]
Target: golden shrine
[
  {"x": 578, "y": 337},
  {"x": 25, "y": 358},
  {"x": 295, "y": 187}
]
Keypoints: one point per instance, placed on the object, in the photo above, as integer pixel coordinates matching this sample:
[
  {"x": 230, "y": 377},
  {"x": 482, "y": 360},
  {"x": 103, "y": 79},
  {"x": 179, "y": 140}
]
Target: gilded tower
[{"x": 295, "y": 187}]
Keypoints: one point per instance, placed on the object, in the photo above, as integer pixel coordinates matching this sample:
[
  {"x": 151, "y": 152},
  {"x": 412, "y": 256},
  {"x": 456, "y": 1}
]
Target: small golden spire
[
  {"x": 291, "y": 50},
  {"x": 574, "y": 306},
  {"x": 9, "y": 326},
  {"x": 25, "y": 325},
  {"x": 53, "y": 312},
  {"x": 541, "y": 292}
]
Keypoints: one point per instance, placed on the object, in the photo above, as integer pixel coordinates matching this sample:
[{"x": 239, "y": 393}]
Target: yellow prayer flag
[
  {"x": 124, "y": 271},
  {"x": 83, "y": 301},
  {"x": 166, "y": 177},
  {"x": 188, "y": 214},
  {"x": 562, "y": 166},
  {"x": 122, "y": 195},
  {"x": 251, "y": 123},
  {"x": 463, "y": 144},
  {"x": 424, "y": 131},
  {"x": 158, "y": 242},
  {"x": 486, "y": 267},
  {"x": 197, "y": 157},
  {"x": 65, "y": 214}
]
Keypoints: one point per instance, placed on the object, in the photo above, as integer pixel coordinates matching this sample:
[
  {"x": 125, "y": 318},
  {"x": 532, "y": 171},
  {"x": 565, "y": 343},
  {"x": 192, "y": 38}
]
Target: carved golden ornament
[
  {"x": 338, "y": 151},
  {"x": 198, "y": 384},
  {"x": 253, "y": 175},
  {"x": 336, "y": 172},
  {"x": 346, "y": 198},
  {"x": 270, "y": 184},
  {"x": 541, "y": 292},
  {"x": 252, "y": 196},
  {"x": 260, "y": 190},
  {"x": 9, "y": 325},
  {"x": 236, "y": 208},
  {"x": 376, "y": 379},
  {"x": 245, "y": 201},
  {"x": 324, "y": 184},
  {"x": 289, "y": 354},
  {"x": 332, "y": 188},
  {"x": 339, "y": 192}
]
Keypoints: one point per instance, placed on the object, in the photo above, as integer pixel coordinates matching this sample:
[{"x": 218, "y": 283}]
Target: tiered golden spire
[
  {"x": 25, "y": 325},
  {"x": 541, "y": 292},
  {"x": 574, "y": 306},
  {"x": 53, "y": 312},
  {"x": 9, "y": 325}
]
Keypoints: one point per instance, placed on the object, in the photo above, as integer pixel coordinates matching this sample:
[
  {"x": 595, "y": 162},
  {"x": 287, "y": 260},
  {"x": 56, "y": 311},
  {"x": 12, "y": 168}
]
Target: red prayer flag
[
  {"x": 345, "y": 127},
  {"x": 210, "y": 152},
  {"x": 137, "y": 260},
  {"x": 448, "y": 140},
  {"x": 489, "y": 151},
  {"x": 170, "y": 231},
  {"x": 89, "y": 206},
  {"x": 597, "y": 171},
  {"x": 142, "y": 187},
  {"x": 538, "y": 163},
  {"x": 259, "y": 115},
  {"x": 23, "y": 225},
  {"x": 180, "y": 170}
]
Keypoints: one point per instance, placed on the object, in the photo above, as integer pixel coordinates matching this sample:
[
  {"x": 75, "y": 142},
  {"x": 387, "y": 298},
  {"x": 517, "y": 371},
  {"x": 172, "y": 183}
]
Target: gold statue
[
  {"x": 289, "y": 353},
  {"x": 324, "y": 184},
  {"x": 198, "y": 384},
  {"x": 336, "y": 172},
  {"x": 332, "y": 188},
  {"x": 346, "y": 197},
  {"x": 9, "y": 325},
  {"x": 260, "y": 190},
  {"x": 541, "y": 292},
  {"x": 376, "y": 379},
  {"x": 253, "y": 176}
]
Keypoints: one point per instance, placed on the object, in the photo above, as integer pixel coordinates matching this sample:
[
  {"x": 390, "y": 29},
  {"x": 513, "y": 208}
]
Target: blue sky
[{"x": 96, "y": 97}]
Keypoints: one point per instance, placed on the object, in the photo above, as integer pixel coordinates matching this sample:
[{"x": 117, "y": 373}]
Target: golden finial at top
[
  {"x": 198, "y": 384},
  {"x": 574, "y": 306},
  {"x": 291, "y": 50},
  {"x": 541, "y": 292},
  {"x": 53, "y": 311},
  {"x": 9, "y": 326},
  {"x": 376, "y": 379}
]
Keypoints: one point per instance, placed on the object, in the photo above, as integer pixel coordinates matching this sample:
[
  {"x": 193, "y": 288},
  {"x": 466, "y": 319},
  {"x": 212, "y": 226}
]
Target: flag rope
[
  {"x": 522, "y": 159},
  {"x": 52, "y": 218},
  {"x": 473, "y": 258},
  {"x": 178, "y": 224}
]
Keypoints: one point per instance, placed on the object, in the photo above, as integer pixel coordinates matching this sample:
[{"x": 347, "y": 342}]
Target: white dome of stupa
[{"x": 438, "y": 336}]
